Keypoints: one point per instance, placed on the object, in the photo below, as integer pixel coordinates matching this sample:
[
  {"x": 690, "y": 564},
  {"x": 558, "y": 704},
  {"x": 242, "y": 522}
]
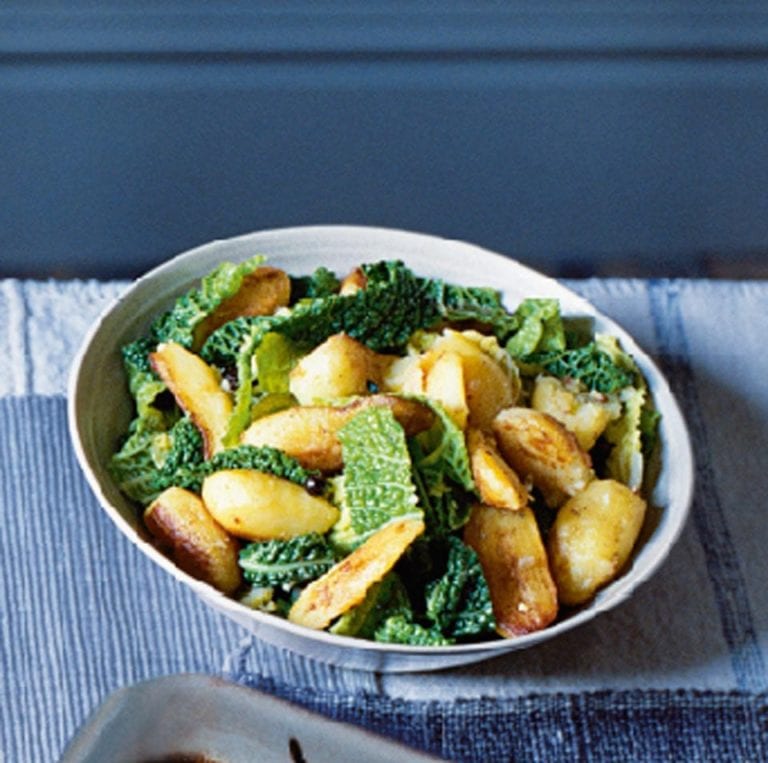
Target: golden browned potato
[
  {"x": 514, "y": 562},
  {"x": 339, "y": 367},
  {"x": 444, "y": 383},
  {"x": 592, "y": 537},
  {"x": 197, "y": 389},
  {"x": 467, "y": 372},
  {"x": 186, "y": 531},
  {"x": 540, "y": 449},
  {"x": 310, "y": 433},
  {"x": 581, "y": 414},
  {"x": 353, "y": 282},
  {"x": 405, "y": 376},
  {"x": 496, "y": 481},
  {"x": 346, "y": 583},
  {"x": 489, "y": 389},
  {"x": 261, "y": 293},
  {"x": 259, "y": 506},
  {"x": 307, "y": 433},
  {"x": 490, "y": 379}
]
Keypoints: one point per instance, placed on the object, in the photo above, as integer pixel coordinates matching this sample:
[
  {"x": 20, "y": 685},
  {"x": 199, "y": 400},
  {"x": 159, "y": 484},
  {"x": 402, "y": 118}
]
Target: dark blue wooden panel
[{"x": 115, "y": 155}]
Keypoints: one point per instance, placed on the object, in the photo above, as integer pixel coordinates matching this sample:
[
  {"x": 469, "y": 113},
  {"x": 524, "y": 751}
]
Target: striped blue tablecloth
[{"x": 676, "y": 673}]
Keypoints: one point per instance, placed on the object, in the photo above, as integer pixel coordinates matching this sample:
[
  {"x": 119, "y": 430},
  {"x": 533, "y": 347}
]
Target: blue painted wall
[{"x": 634, "y": 140}]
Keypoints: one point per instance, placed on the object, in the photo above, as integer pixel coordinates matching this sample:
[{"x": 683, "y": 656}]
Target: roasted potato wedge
[
  {"x": 339, "y": 367},
  {"x": 581, "y": 414},
  {"x": 185, "y": 529},
  {"x": 465, "y": 371},
  {"x": 496, "y": 481},
  {"x": 353, "y": 282},
  {"x": 540, "y": 449},
  {"x": 346, "y": 583},
  {"x": 197, "y": 389},
  {"x": 514, "y": 561},
  {"x": 309, "y": 433},
  {"x": 259, "y": 506},
  {"x": 262, "y": 292},
  {"x": 489, "y": 389},
  {"x": 444, "y": 383},
  {"x": 592, "y": 538},
  {"x": 489, "y": 385},
  {"x": 405, "y": 376}
]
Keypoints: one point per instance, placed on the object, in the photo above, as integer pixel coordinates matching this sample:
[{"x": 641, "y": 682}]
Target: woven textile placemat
[{"x": 676, "y": 673}]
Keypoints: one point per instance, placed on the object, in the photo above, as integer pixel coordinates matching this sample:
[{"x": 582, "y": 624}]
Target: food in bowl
[{"x": 384, "y": 455}]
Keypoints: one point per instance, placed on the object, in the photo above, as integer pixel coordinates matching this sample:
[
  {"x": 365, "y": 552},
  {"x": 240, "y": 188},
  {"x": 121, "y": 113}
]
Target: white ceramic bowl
[
  {"x": 100, "y": 410},
  {"x": 207, "y": 719}
]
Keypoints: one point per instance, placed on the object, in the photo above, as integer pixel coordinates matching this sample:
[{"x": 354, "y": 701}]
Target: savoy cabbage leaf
[
  {"x": 384, "y": 599},
  {"x": 322, "y": 283},
  {"x": 288, "y": 562},
  {"x": 459, "y": 601},
  {"x": 442, "y": 473},
  {"x": 589, "y": 364},
  {"x": 401, "y": 629},
  {"x": 540, "y": 328},
  {"x": 179, "y": 323},
  {"x": 151, "y": 460},
  {"x": 375, "y": 486}
]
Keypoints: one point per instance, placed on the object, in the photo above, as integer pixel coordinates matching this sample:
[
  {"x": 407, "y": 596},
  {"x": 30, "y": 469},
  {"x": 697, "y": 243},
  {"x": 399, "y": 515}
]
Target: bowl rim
[{"x": 608, "y": 598}]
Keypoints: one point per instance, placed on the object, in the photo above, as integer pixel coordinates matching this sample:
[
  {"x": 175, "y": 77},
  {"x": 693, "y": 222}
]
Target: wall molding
[
  {"x": 233, "y": 31},
  {"x": 560, "y": 132}
]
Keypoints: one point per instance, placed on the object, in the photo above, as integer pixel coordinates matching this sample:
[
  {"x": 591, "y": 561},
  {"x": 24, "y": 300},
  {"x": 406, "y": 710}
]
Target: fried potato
[
  {"x": 540, "y": 448},
  {"x": 405, "y": 376},
  {"x": 586, "y": 417},
  {"x": 353, "y": 282},
  {"x": 261, "y": 293},
  {"x": 444, "y": 383},
  {"x": 310, "y": 433},
  {"x": 259, "y": 506},
  {"x": 489, "y": 389},
  {"x": 339, "y": 367},
  {"x": 197, "y": 389},
  {"x": 185, "y": 529},
  {"x": 514, "y": 561},
  {"x": 496, "y": 481},
  {"x": 346, "y": 583},
  {"x": 465, "y": 371},
  {"x": 490, "y": 380},
  {"x": 592, "y": 538}
]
